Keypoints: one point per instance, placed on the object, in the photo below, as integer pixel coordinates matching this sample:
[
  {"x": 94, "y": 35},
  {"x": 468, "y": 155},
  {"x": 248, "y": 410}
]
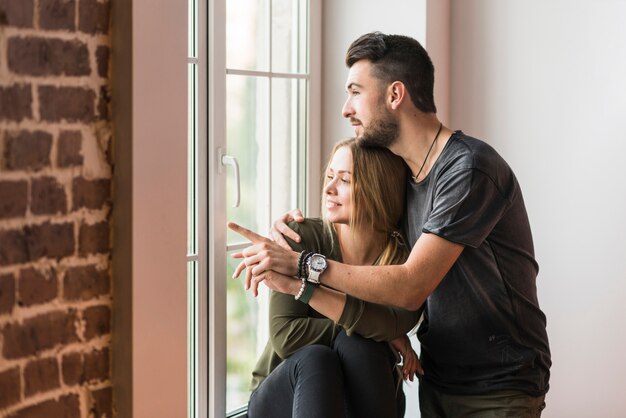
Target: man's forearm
[{"x": 387, "y": 285}]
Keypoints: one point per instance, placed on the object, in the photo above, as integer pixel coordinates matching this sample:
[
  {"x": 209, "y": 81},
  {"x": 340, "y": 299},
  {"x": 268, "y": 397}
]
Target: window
[{"x": 250, "y": 107}]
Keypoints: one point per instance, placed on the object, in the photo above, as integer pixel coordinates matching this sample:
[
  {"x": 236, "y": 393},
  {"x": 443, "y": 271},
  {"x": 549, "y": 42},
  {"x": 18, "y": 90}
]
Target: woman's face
[{"x": 339, "y": 187}]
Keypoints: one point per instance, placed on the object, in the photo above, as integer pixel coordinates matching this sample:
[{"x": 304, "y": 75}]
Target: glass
[
  {"x": 247, "y": 133},
  {"x": 286, "y": 129},
  {"x": 289, "y": 36},
  {"x": 247, "y": 35},
  {"x": 192, "y": 32},
  {"x": 246, "y": 336},
  {"x": 192, "y": 303},
  {"x": 192, "y": 212}
]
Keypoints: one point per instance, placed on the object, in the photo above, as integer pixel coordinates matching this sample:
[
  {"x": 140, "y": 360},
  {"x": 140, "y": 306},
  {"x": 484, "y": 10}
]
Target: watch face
[{"x": 318, "y": 263}]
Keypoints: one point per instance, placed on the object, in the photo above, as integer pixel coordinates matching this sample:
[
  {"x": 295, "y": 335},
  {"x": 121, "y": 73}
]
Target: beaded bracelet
[
  {"x": 302, "y": 287},
  {"x": 305, "y": 265},
  {"x": 301, "y": 257}
]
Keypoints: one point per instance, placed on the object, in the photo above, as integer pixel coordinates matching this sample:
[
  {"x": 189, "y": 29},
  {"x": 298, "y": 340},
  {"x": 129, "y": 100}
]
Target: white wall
[
  {"x": 544, "y": 82},
  {"x": 342, "y": 22}
]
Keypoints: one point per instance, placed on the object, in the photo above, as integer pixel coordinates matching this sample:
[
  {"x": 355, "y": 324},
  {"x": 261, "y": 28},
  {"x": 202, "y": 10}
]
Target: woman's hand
[{"x": 410, "y": 362}]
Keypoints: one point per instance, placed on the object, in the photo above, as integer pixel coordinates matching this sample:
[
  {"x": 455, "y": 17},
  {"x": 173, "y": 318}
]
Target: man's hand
[
  {"x": 264, "y": 260},
  {"x": 280, "y": 228}
]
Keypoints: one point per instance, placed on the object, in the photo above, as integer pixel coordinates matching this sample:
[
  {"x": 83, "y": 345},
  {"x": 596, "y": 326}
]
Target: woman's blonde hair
[{"x": 377, "y": 197}]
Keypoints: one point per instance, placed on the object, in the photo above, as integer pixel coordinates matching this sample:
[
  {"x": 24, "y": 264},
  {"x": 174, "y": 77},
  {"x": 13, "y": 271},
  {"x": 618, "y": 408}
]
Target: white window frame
[{"x": 211, "y": 389}]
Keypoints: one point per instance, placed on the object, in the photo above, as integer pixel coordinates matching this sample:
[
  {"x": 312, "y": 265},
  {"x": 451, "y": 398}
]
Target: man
[{"x": 484, "y": 346}]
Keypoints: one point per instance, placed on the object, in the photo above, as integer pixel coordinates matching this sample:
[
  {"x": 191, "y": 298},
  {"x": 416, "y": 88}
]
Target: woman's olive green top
[{"x": 294, "y": 324}]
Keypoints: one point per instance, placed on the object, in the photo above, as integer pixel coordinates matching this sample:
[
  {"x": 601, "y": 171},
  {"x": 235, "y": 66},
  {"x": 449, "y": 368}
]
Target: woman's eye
[{"x": 347, "y": 181}]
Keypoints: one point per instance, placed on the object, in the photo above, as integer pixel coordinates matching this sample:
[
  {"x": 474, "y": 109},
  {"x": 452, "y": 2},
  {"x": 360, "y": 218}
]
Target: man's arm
[{"x": 406, "y": 285}]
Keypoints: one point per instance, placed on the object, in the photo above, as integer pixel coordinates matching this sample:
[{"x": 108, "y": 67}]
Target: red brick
[
  {"x": 17, "y": 13},
  {"x": 25, "y": 150},
  {"x": 47, "y": 197},
  {"x": 13, "y": 198},
  {"x": 16, "y": 102},
  {"x": 9, "y": 387},
  {"x": 13, "y": 247},
  {"x": 97, "y": 321},
  {"x": 97, "y": 365},
  {"x": 50, "y": 240},
  {"x": 36, "y": 287},
  {"x": 93, "y": 16},
  {"x": 102, "y": 403},
  {"x": 73, "y": 369},
  {"x": 66, "y": 406},
  {"x": 93, "y": 239},
  {"x": 7, "y": 295},
  {"x": 41, "y": 376},
  {"x": 47, "y": 56},
  {"x": 102, "y": 58},
  {"x": 85, "y": 282},
  {"x": 69, "y": 151},
  {"x": 73, "y": 104},
  {"x": 57, "y": 14},
  {"x": 90, "y": 194},
  {"x": 39, "y": 333}
]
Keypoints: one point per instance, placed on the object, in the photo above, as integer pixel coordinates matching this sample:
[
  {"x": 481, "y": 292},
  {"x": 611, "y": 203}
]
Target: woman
[{"x": 328, "y": 354}]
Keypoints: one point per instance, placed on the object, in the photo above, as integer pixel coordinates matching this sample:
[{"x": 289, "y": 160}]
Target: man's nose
[{"x": 347, "y": 110}]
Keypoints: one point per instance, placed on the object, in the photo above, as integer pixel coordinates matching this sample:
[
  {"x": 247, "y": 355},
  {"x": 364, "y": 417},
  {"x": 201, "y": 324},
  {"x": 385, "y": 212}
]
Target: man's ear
[{"x": 396, "y": 94}]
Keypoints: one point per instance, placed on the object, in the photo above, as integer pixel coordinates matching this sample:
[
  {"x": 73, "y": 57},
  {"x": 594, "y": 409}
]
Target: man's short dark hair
[{"x": 398, "y": 58}]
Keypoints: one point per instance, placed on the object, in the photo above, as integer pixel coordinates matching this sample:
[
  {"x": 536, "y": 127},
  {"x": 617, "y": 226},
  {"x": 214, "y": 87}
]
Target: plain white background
[{"x": 543, "y": 82}]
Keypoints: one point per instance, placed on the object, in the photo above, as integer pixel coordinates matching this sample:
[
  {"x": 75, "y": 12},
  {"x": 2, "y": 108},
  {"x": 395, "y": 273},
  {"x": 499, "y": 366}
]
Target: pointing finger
[{"x": 246, "y": 233}]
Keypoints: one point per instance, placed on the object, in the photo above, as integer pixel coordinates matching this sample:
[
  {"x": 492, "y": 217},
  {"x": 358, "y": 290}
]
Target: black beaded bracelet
[{"x": 301, "y": 263}]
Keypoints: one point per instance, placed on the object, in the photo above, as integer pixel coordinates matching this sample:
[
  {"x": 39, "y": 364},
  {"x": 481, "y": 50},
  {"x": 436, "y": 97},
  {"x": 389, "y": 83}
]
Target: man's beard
[{"x": 382, "y": 131}]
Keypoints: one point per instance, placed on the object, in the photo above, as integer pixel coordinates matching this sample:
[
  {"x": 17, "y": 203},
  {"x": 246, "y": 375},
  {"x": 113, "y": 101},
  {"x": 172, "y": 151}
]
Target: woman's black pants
[{"x": 354, "y": 378}]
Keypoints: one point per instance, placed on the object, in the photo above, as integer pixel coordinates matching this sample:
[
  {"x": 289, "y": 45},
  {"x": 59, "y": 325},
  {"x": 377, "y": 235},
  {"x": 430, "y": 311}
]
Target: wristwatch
[{"x": 317, "y": 264}]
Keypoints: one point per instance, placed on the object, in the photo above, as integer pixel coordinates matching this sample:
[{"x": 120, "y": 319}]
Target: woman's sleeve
[
  {"x": 378, "y": 322},
  {"x": 291, "y": 327}
]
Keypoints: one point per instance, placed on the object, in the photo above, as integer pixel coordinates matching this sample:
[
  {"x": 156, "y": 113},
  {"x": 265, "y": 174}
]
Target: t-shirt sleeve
[{"x": 467, "y": 205}]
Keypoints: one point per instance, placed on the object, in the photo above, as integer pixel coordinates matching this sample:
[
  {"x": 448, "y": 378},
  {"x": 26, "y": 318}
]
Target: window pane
[
  {"x": 192, "y": 280},
  {"x": 247, "y": 34},
  {"x": 192, "y": 176},
  {"x": 246, "y": 335},
  {"x": 288, "y": 35},
  {"x": 287, "y": 140},
  {"x": 247, "y": 124},
  {"x": 192, "y": 32}
]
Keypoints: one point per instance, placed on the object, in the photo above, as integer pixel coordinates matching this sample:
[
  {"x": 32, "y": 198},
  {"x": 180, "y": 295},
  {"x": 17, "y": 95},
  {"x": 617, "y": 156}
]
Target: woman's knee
[
  {"x": 317, "y": 358},
  {"x": 362, "y": 349}
]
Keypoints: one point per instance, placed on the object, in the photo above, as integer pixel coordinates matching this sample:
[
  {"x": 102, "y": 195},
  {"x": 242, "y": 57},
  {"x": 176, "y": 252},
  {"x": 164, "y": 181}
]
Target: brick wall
[{"x": 55, "y": 171}]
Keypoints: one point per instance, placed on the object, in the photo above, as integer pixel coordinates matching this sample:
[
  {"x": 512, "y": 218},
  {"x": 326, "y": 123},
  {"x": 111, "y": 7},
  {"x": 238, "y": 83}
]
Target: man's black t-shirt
[{"x": 483, "y": 329}]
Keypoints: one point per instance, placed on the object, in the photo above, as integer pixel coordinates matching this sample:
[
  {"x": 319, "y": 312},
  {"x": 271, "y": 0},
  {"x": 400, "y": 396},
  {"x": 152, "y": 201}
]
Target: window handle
[{"x": 229, "y": 160}]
